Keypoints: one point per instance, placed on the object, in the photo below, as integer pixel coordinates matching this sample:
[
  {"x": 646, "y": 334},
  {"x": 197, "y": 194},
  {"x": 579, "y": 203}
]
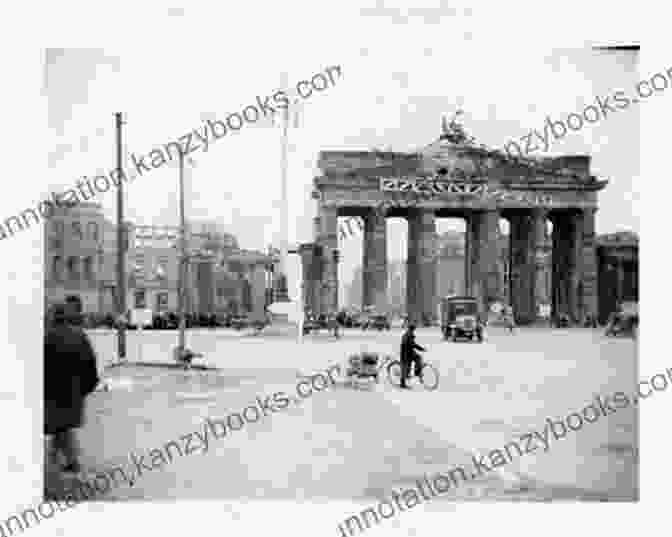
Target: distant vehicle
[
  {"x": 624, "y": 321},
  {"x": 562, "y": 321},
  {"x": 238, "y": 322},
  {"x": 460, "y": 318},
  {"x": 171, "y": 320},
  {"x": 322, "y": 322},
  {"x": 108, "y": 321},
  {"x": 357, "y": 320},
  {"x": 310, "y": 325},
  {"x": 223, "y": 320},
  {"x": 379, "y": 322},
  {"x": 344, "y": 319}
]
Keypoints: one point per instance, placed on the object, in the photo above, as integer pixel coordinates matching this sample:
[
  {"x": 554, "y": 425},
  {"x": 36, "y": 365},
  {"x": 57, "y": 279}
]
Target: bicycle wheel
[
  {"x": 394, "y": 373},
  {"x": 430, "y": 377}
]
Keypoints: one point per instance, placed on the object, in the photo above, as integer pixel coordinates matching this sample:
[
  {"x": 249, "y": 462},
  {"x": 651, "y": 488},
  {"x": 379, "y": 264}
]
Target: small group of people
[
  {"x": 332, "y": 322},
  {"x": 70, "y": 375}
]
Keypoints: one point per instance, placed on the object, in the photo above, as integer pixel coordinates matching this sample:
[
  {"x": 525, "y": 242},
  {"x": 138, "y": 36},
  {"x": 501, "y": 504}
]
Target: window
[
  {"x": 92, "y": 231},
  {"x": 140, "y": 299},
  {"x": 73, "y": 268},
  {"x": 161, "y": 269},
  {"x": 77, "y": 230},
  {"x": 57, "y": 268},
  {"x": 57, "y": 229},
  {"x": 56, "y": 236},
  {"x": 139, "y": 266},
  {"x": 161, "y": 301},
  {"x": 88, "y": 269}
]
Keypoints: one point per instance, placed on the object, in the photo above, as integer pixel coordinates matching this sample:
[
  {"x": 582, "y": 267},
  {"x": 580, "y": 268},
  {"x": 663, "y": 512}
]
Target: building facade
[
  {"x": 81, "y": 264},
  {"x": 618, "y": 271},
  {"x": 74, "y": 255}
]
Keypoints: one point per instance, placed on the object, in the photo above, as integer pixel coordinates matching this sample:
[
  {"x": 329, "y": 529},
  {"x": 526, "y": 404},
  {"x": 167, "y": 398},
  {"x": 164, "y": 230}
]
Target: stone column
[
  {"x": 412, "y": 267},
  {"x": 469, "y": 238},
  {"x": 328, "y": 239},
  {"x": 427, "y": 264},
  {"x": 589, "y": 261},
  {"x": 317, "y": 267},
  {"x": 518, "y": 246},
  {"x": 421, "y": 274},
  {"x": 540, "y": 259},
  {"x": 574, "y": 265},
  {"x": 558, "y": 258},
  {"x": 374, "y": 262},
  {"x": 564, "y": 263},
  {"x": 488, "y": 257}
]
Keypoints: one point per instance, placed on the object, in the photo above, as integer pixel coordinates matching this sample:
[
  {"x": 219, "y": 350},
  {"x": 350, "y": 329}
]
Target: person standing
[
  {"x": 510, "y": 318},
  {"x": 408, "y": 356},
  {"x": 70, "y": 374},
  {"x": 333, "y": 324}
]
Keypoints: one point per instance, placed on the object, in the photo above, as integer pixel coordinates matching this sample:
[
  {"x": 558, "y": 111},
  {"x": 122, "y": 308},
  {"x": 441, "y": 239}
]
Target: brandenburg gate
[{"x": 457, "y": 178}]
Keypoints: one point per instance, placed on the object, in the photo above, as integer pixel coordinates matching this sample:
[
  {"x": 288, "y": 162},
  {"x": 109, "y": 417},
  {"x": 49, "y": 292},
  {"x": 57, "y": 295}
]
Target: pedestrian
[
  {"x": 333, "y": 322},
  {"x": 510, "y": 318},
  {"x": 408, "y": 356},
  {"x": 70, "y": 374}
]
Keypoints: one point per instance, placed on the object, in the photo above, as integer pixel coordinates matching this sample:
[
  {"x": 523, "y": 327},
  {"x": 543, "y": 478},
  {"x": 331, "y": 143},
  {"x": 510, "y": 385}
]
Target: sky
[{"x": 393, "y": 92}]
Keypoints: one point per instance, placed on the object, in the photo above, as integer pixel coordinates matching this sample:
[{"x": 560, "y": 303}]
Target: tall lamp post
[{"x": 181, "y": 351}]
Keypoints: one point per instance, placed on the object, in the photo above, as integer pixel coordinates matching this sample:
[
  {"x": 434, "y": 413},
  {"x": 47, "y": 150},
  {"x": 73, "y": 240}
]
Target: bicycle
[{"x": 429, "y": 374}]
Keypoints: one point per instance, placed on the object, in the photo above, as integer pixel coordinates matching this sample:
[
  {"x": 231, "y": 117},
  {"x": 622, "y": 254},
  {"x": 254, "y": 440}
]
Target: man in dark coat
[
  {"x": 70, "y": 374},
  {"x": 408, "y": 355}
]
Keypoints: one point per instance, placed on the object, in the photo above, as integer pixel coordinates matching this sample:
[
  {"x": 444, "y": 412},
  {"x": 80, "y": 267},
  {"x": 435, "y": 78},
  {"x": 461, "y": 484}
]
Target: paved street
[{"x": 356, "y": 444}]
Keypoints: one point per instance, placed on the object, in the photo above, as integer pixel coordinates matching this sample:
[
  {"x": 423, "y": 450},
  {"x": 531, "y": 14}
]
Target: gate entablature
[{"x": 454, "y": 176}]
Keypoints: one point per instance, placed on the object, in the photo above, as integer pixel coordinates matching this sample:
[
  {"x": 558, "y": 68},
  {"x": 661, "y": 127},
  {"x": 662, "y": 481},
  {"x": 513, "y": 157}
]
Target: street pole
[
  {"x": 182, "y": 273},
  {"x": 121, "y": 247},
  {"x": 284, "y": 230}
]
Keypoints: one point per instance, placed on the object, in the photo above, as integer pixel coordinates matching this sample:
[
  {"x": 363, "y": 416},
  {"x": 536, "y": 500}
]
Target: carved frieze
[{"x": 478, "y": 190}]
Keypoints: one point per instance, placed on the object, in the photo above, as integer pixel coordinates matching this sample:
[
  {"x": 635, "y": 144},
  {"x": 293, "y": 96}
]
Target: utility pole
[
  {"x": 182, "y": 273},
  {"x": 122, "y": 245},
  {"x": 284, "y": 205}
]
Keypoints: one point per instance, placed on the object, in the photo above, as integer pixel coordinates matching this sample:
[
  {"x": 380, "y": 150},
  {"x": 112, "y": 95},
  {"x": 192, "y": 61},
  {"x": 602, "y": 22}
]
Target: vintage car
[
  {"x": 624, "y": 321},
  {"x": 460, "y": 318}
]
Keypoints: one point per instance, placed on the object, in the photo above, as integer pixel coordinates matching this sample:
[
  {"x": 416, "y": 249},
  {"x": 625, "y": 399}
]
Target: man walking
[
  {"x": 70, "y": 374},
  {"x": 408, "y": 355}
]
